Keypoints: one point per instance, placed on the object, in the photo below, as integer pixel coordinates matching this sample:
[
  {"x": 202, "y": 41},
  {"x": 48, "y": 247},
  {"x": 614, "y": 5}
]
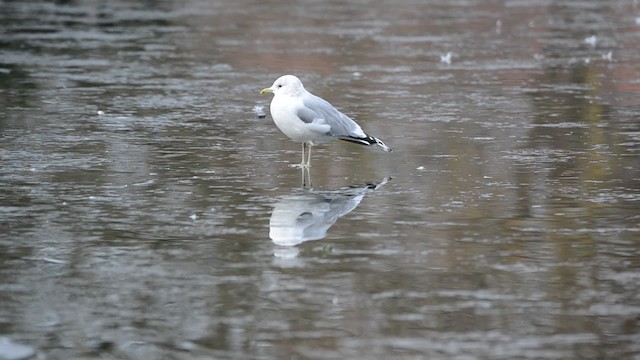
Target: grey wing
[
  {"x": 341, "y": 124},
  {"x": 307, "y": 115}
]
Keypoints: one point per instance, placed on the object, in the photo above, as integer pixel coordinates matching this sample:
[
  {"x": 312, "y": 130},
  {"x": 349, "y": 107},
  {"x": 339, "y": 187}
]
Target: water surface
[{"x": 146, "y": 212}]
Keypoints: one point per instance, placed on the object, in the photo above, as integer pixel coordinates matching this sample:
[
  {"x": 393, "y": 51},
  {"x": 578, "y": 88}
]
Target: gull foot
[{"x": 300, "y": 166}]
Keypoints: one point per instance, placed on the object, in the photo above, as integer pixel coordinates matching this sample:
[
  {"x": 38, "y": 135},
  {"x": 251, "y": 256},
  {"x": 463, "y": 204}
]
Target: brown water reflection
[{"x": 137, "y": 185}]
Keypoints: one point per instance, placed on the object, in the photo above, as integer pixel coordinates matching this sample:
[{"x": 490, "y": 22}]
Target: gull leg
[
  {"x": 304, "y": 170},
  {"x": 305, "y": 146},
  {"x": 306, "y": 178},
  {"x": 302, "y": 164},
  {"x": 308, "y": 165}
]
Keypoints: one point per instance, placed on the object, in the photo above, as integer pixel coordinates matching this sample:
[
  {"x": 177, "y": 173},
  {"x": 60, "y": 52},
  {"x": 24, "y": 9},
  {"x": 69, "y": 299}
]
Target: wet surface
[{"x": 138, "y": 186}]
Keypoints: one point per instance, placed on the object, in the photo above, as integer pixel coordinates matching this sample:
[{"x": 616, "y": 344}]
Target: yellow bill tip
[{"x": 265, "y": 90}]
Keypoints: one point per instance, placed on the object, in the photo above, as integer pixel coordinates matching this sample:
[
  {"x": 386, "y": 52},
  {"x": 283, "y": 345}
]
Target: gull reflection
[{"x": 307, "y": 216}]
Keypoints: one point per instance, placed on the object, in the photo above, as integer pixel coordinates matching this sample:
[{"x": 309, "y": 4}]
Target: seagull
[{"x": 311, "y": 120}]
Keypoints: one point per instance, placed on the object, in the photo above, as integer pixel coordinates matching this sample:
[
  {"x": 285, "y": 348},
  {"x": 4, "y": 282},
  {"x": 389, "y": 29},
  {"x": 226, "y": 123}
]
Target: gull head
[{"x": 287, "y": 85}]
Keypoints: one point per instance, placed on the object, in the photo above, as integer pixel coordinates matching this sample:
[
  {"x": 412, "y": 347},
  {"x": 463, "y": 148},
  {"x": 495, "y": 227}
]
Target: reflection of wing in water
[
  {"x": 307, "y": 216},
  {"x": 304, "y": 217}
]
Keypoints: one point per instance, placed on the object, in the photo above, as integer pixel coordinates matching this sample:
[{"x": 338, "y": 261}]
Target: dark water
[{"x": 147, "y": 213}]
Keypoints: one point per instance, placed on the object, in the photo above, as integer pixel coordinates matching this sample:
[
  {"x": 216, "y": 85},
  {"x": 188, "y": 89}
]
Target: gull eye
[{"x": 279, "y": 86}]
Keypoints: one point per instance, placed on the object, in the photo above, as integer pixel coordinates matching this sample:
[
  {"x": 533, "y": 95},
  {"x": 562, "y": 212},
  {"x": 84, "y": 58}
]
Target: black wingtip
[
  {"x": 368, "y": 141},
  {"x": 379, "y": 142}
]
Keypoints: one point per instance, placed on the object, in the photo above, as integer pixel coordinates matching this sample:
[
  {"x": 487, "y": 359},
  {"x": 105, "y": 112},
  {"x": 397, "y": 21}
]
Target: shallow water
[{"x": 146, "y": 212}]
